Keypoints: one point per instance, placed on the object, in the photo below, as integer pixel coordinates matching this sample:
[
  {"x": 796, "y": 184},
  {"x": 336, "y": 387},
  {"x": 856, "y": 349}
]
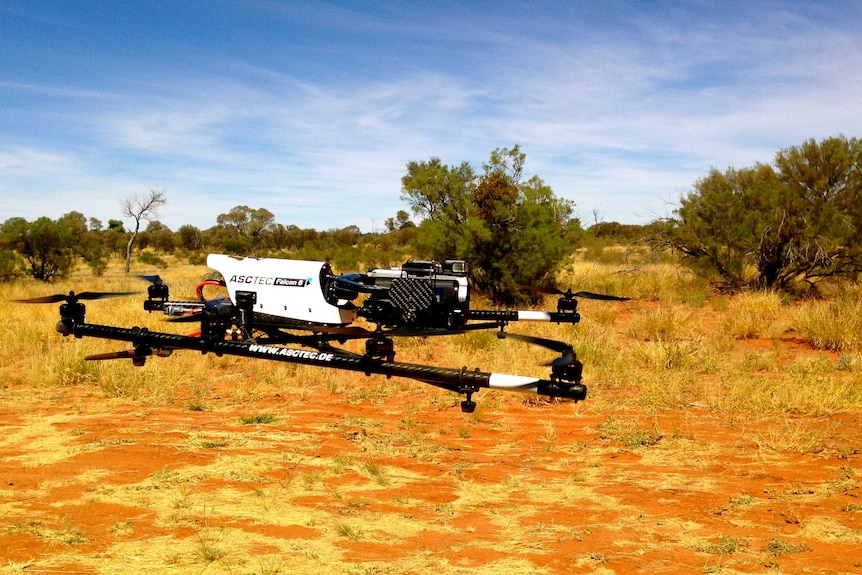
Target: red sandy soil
[{"x": 93, "y": 484}]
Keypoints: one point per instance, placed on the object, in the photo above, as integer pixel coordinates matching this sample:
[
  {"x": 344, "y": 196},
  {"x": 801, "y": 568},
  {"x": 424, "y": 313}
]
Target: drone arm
[
  {"x": 458, "y": 380},
  {"x": 505, "y": 316},
  {"x": 524, "y": 384}
]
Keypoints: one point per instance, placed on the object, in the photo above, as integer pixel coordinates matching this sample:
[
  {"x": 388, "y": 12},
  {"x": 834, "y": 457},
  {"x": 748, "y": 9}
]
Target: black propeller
[
  {"x": 350, "y": 281},
  {"x": 129, "y": 354},
  {"x": 567, "y": 351},
  {"x": 155, "y": 280},
  {"x": 355, "y": 332},
  {"x": 72, "y": 297},
  {"x": 569, "y": 294}
]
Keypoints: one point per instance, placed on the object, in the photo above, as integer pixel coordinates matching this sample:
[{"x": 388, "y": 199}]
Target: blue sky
[{"x": 313, "y": 109}]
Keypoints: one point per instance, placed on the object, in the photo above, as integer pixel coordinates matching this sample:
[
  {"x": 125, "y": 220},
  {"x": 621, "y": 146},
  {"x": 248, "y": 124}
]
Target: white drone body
[{"x": 289, "y": 289}]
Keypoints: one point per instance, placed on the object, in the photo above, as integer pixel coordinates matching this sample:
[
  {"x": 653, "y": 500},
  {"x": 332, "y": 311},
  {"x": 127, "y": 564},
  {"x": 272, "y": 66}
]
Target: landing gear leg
[{"x": 468, "y": 405}]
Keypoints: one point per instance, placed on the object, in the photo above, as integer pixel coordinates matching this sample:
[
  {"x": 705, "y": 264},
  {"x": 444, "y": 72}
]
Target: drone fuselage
[
  {"x": 419, "y": 294},
  {"x": 292, "y": 290}
]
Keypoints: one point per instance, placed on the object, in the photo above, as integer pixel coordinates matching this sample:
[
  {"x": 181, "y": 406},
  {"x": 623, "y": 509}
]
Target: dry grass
[
  {"x": 753, "y": 315},
  {"x": 834, "y": 324},
  {"x": 666, "y": 351}
]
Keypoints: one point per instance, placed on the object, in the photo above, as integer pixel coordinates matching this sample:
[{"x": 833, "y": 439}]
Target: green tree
[
  {"x": 114, "y": 237},
  {"x": 11, "y": 265},
  {"x": 44, "y": 244},
  {"x": 399, "y": 222},
  {"x": 441, "y": 196},
  {"x": 510, "y": 231},
  {"x": 159, "y": 237},
  {"x": 245, "y": 230},
  {"x": 400, "y": 230},
  {"x": 773, "y": 226},
  {"x": 86, "y": 242},
  {"x": 188, "y": 238},
  {"x": 116, "y": 226}
]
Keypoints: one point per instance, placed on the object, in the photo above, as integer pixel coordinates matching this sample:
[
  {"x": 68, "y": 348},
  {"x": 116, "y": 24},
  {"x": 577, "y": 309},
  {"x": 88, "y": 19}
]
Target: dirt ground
[{"x": 316, "y": 484}]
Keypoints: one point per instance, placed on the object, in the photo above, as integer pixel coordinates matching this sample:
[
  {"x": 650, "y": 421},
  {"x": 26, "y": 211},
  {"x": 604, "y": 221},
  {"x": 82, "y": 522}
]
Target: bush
[
  {"x": 151, "y": 259},
  {"x": 98, "y": 266},
  {"x": 771, "y": 227},
  {"x": 10, "y": 266}
]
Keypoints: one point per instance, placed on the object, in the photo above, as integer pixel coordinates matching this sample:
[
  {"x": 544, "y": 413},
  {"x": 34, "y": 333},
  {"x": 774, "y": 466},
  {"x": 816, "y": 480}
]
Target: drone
[{"x": 301, "y": 312}]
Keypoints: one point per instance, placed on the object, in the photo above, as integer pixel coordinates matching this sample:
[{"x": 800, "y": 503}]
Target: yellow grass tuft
[
  {"x": 752, "y": 315},
  {"x": 834, "y": 325}
]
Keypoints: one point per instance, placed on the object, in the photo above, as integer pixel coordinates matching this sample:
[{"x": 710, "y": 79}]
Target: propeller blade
[
  {"x": 126, "y": 354},
  {"x": 155, "y": 280},
  {"x": 73, "y": 297},
  {"x": 353, "y": 332},
  {"x": 45, "y": 299},
  {"x": 540, "y": 289},
  {"x": 565, "y": 359},
  {"x": 129, "y": 354},
  {"x": 599, "y": 296},
  {"x": 350, "y": 281},
  {"x": 551, "y": 344},
  {"x": 568, "y": 353},
  {"x": 570, "y": 294},
  {"x": 103, "y": 295}
]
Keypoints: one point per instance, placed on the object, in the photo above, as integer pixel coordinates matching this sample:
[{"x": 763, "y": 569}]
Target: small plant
[
  {"x": 70, "y": 536},
  {"x": 726, "y": 545},
  {"x": 375, "y": 472},
  {"x": 549, "y": 440},
  {"x": 777, "y": 547},
  {"x": 259, "y": 419},
  {"x": 671, "y": 354},
  {"x": 348, "y": 531},
  {"x": 122, "y": 528},
  {"x": 743, "y": 500},
  {"x": 208, "y": 550},
  {"x": 309, "y": 480},
  {"x": 98, "y": 266},
  {"x": 628, "y": 433},
  {"x": 851, "y": 362},
  {"x": 340, "y": 463},
  {"x": 213, "y": 444}
]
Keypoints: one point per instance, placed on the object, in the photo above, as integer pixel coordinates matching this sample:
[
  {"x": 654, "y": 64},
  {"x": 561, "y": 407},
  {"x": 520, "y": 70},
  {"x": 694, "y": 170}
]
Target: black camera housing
[{"x": 425, "y": 294}]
